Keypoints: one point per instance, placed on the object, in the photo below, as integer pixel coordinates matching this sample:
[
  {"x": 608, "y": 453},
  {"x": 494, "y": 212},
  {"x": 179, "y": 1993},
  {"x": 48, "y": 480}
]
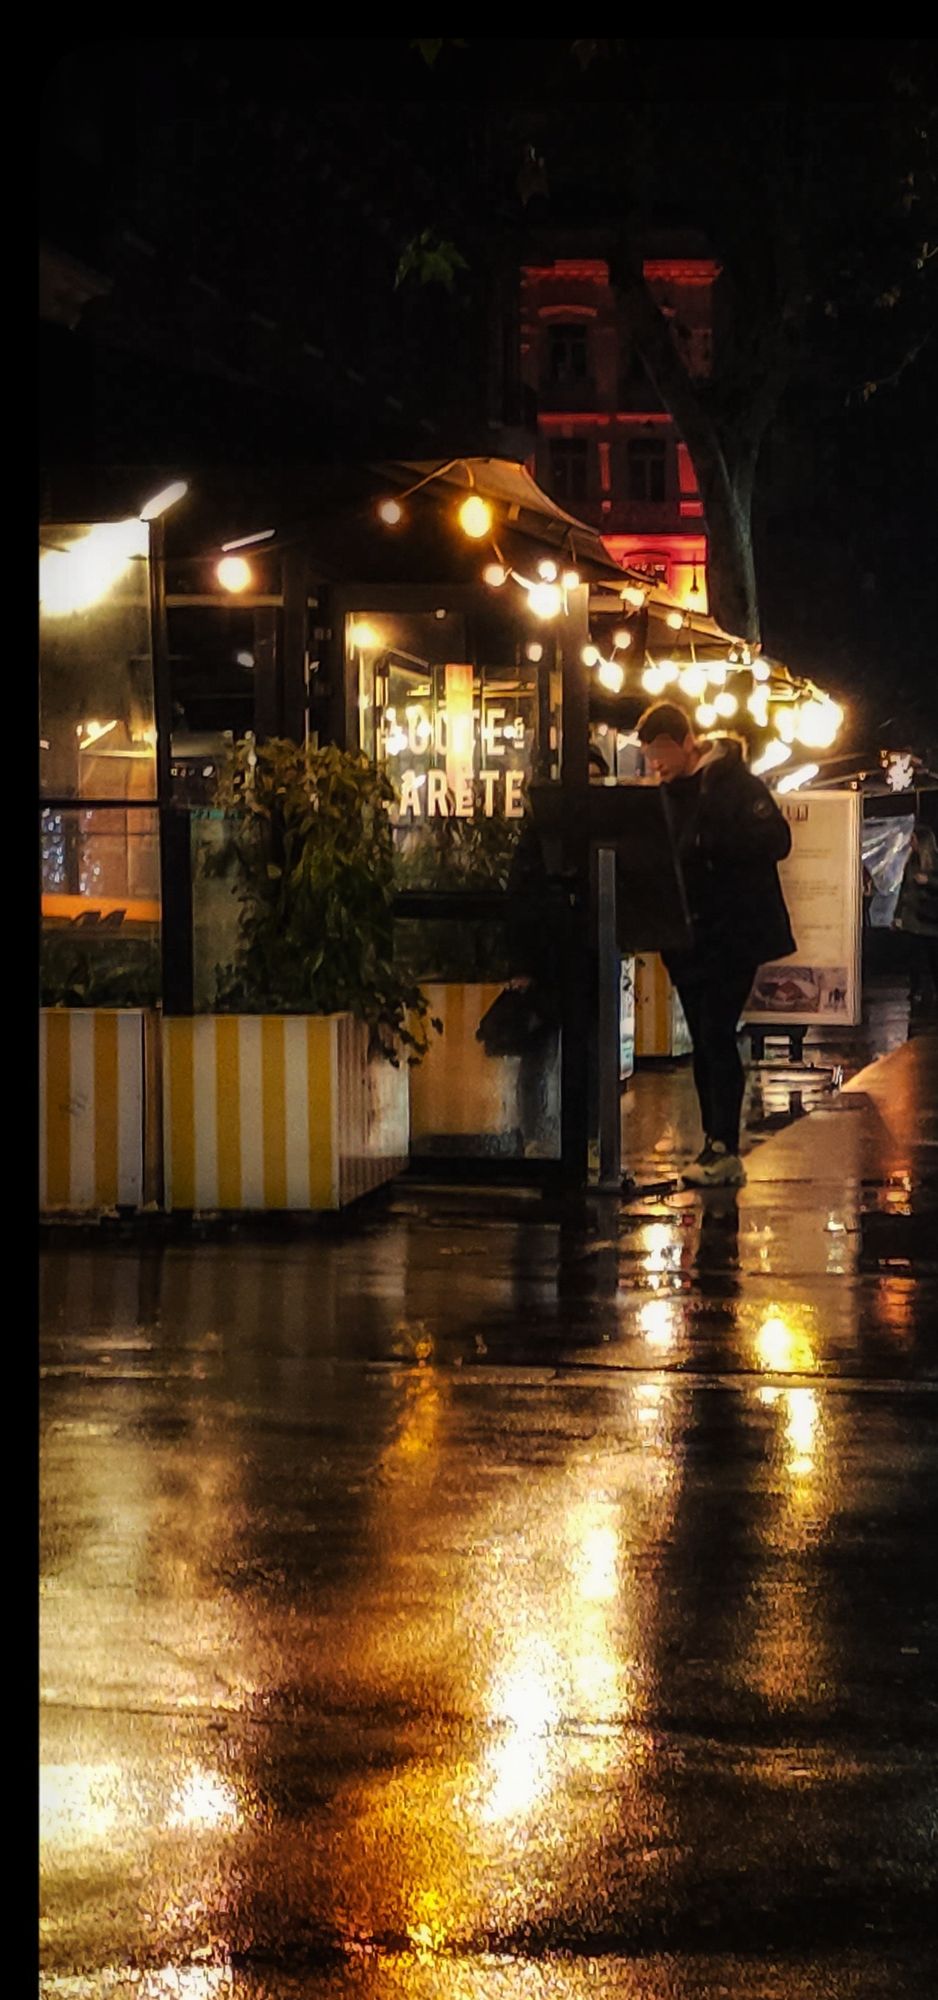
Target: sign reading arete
[{"x": 822, "y": 885}]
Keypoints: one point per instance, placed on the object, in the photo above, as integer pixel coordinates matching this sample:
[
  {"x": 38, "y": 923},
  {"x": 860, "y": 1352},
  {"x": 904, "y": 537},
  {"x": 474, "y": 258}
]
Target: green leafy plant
[{"x": 312, "y": 843}]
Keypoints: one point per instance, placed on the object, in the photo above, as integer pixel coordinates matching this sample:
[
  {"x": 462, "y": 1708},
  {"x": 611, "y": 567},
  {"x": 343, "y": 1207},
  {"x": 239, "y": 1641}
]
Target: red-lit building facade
[{"x": 606, "y": 449}]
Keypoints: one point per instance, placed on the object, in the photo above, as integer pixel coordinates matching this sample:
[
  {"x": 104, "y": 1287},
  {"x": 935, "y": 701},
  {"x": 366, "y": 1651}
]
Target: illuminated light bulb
[
  {"x": 775, "y": 753},
  {"x": 571, "y": 579},
  {"x": 761, "y": 671},
  {"x": 547, "y": 570},
  {"x": 534, "y": 651},
  {"x": 726, "y": 704},
  {"x": 786, "y": 722},
  {"x": 634, "y": 595},
  {"x": 675, "y": 619},
  {"x": 545, "y": 600},
  {"x": 163, "y": 500},
  {"x": 391, "y": 513},
  {"x": 364, "y": 637},
  {"x": 234, "y": 574},
  {"x": 717, "y": 671},
  {"x": 494, "y": 574},
  {"x": 693, "y": 681},
  {"x": 622, "y": 640},
  {"x": 590, "y": 656},
  {"x": 793, "y": 780},
  {"x": 475, "y": 517},
  {"x": 669, "y": 671},
  {"x": 652, "y": 680},
  {"x": 818, "y": 723},
  {"x": 758, "y": 706},
  {"x": 706, "y": 715},
  {"x": 611, "y": 675}
]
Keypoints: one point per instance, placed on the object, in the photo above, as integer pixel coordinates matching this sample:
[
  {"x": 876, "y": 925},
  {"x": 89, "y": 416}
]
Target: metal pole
[
  {"x": 607, "y": 952},
  {"x": 575, "y": 1001},
  {"x": 176, "y": 944}
]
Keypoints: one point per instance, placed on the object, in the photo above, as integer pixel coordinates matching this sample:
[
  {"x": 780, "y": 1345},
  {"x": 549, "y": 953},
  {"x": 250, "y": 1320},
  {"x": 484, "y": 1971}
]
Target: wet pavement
[{"x": 493, "y": 1603}]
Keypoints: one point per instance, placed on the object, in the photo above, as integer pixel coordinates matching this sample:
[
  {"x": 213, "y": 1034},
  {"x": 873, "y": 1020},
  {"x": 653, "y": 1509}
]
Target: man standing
[{"x": 730, "y": 837}]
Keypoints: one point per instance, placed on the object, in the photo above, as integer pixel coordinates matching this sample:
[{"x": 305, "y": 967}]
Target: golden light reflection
[
  {"x": 657, "y": 1321},
  {"x": 204, "y": 1801},
  {"x": 79, "y": 1803},
  {"x": 82, "y": 1804},
  {"x": 595, "y": 1551},
  {"x": 783, "y": 1342},
  {"x": 525, "y": 1708},
  {"x": 414, "y": 1439}
]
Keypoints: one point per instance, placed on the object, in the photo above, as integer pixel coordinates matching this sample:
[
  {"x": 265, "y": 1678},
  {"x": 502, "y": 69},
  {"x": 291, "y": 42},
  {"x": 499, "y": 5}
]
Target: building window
[
  {"x": 569, "y": 469},
  {"x": 567, "y": 353},
  {"x": 647, "y": 469}
]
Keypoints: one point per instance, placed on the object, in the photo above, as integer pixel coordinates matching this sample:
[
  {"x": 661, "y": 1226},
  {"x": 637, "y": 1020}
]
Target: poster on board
[{"x": 821, "y": 879}]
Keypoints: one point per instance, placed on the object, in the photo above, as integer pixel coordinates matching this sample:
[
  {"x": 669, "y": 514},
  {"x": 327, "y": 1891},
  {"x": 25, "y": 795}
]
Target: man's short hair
[{"x": 665, "y": 718}]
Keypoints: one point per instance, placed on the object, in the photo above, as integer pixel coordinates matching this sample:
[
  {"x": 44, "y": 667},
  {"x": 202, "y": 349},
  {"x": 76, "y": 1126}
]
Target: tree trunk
[{"x": 726, "y": 492}]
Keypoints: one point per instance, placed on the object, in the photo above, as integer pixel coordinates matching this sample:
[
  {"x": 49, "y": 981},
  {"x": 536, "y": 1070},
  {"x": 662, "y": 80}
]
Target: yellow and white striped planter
[
  {"x": 91, "y": 1109},
  {"x": 278, "y": 1112}
]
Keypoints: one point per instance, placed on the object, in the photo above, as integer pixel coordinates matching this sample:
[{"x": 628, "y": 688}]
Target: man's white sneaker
[{"x": 715, "y": 1167}]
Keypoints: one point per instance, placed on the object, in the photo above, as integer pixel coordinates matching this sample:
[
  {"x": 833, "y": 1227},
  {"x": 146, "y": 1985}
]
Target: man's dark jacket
[{"x": 730, "y": 836}]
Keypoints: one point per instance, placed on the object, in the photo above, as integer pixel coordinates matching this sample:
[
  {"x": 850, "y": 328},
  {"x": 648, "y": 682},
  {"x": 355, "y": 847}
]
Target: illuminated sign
[{"x": 456, "y": 759}]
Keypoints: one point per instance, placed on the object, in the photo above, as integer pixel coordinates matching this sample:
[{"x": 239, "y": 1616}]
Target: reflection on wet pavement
[{"x": 478, "y": 1602}]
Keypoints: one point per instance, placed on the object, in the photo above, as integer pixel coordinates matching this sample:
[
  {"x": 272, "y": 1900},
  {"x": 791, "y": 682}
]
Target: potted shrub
[{"x": 293, "y": 1092}]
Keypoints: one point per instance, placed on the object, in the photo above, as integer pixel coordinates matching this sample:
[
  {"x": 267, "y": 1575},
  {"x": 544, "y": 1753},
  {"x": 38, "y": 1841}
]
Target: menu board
[{"x": 821, "y": 880}]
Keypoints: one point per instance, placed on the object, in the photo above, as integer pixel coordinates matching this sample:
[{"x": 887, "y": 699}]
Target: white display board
[{"x": 821, "y": 879}]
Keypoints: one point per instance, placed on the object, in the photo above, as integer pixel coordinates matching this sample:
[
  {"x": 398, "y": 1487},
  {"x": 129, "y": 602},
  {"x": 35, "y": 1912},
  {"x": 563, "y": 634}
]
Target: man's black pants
[{"x": 713, "y": 1005}]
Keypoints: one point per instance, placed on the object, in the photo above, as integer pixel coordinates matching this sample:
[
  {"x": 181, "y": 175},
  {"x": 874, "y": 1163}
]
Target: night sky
[{"x": 248, "y": 202}]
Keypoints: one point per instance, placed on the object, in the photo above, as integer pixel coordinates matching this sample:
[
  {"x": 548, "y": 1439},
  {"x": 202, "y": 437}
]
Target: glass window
[
  {"x": 569, "y": 469},
  {"x": 568, "y": 354},
  {"x": 100, "y": 884},
  {"x": 97, "y": 721},
  {"x": 459, "y": 741},
  {"x": 647, "y": 469}
]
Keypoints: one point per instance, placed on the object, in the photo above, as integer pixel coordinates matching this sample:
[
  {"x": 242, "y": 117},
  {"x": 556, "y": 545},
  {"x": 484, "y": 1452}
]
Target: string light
[
  {"x": 634, "y": 595},
  {"x": 675, "y": 619},
  {"x": 534, "y": 650},
  {"x": 611, "y": 675},
  {"x": 590, "y": 656},
  {"x": 653, "y": 680},
  {"x": 391, "y": 513},
  {"x": 545, "y": 600},
  {"x": 706, "y": 715},
  {"x": 547, "y": 570},
  {"x": 693, "y": 681},
  {"x": 234, "y": 574},
  {"x": 761, "y": 671},
  {"x": 786, "y": 722},
  {"x": 475, "y": 517},
  {"x": 726, "y": 705},
  {"x": 621, "y": 640},
  {"x": 758, "y": 706},
  {"x": 775, "y": 753},
  {"x": 717, "y": 671},
  {"x": 818, "y": 722},
  {"x": 793, "y": 780},
  {"x": 494, "y": 574},
  {"x": 571, "y": 579},
  {"x": 669, "y": 671}
]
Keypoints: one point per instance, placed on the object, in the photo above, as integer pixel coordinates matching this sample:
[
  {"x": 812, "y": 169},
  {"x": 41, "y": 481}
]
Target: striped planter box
[
  {"x": 92, "y": 1066},
  {"x": 277, "y": 1112}
]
